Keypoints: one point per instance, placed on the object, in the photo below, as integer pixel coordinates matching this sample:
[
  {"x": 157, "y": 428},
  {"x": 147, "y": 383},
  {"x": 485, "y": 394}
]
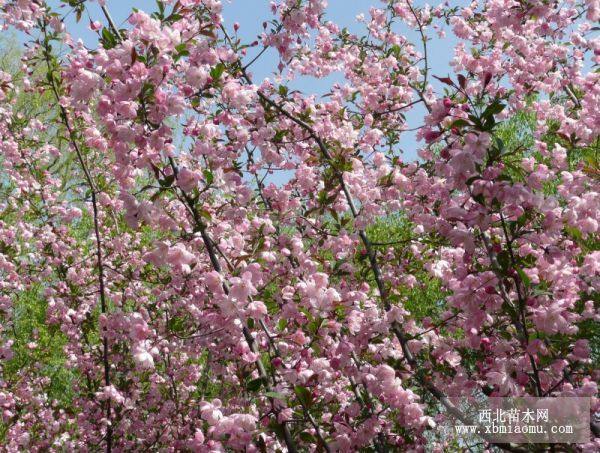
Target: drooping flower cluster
[{"x": 194, "y": 259}]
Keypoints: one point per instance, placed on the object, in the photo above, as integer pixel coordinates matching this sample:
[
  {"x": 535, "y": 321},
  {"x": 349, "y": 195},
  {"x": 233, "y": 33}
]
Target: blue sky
[{"x": 250, "y": 14}]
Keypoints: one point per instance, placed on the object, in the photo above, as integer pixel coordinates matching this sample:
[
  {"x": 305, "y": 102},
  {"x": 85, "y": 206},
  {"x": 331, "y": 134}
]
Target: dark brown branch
[
  {"x": 99, "y": 260},
  {"x": 111, "y": 23}
]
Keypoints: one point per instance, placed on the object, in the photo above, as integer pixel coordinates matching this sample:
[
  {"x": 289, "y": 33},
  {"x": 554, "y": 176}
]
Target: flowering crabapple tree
[{"x": 162, "y": 291}]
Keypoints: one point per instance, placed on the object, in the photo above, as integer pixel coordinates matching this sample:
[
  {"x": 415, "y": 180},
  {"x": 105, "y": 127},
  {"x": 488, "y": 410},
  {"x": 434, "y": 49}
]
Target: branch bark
[{"x": 99, "y": 258}]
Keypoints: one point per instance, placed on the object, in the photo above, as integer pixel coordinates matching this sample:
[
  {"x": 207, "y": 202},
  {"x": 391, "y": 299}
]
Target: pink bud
[
  {"x": 276, "y": 362},
  {"x": 430, "y": 135}
]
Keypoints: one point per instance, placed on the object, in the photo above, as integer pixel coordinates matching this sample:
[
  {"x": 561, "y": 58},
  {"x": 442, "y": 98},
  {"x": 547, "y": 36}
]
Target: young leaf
[
  {"x": 304, "y": 395},
  {"x": 254, "y": 384},
  {"x": 446, "y": 80}
]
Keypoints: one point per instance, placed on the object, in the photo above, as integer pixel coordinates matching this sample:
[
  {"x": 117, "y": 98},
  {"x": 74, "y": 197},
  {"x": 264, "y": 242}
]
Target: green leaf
[
  {"x": 161, "y": 7},
  {"x": 476, "y": 121},
  {"x": 524, "y": 277},
  {"x": 504, "y": 259},
  {"x": 500, "y": 144},
  {"x": 108, "y": 39},
  {"x": 181, "y": 50},
  {"x": 479, "y": 198},
  {"x": 304, "y": 395},
  {"x": 461, "y": 122},
  {"x": 282, "y": 324},
  {"x": 205, "y": 214},
  {"x": 322, "y": 197},
  {"x": 276, "y": 395},
  {"x": 254, "y": 384},
  {"x": 176, "y": 325},
  {"x": 173, "y": 18},
  {"x": 167, "y": 181},
  {"x": 276, "y": 428},
  {"x": 208, "y": 176},
  {"x": 308, "y": 437},
  {"x": 573, "y": 232},
  {"x": 278, "y": 138},
  {"x": 493, "y": 109},
  {"x": 522, "y": 220},
  {"x": 493, "y": 152},
  {"x": 217, "y": 71},
  {"x": 490, "y": 122}
]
